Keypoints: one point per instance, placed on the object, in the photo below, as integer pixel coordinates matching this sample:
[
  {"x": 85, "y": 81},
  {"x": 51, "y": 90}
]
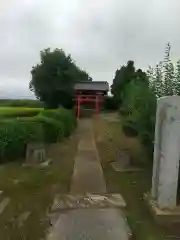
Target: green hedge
[
  {"x": 66, "y": 117},
  {"x": 49, "y": 126},
  {"x": 53, "y": 130},
  {"x": 14, "y": 135}
]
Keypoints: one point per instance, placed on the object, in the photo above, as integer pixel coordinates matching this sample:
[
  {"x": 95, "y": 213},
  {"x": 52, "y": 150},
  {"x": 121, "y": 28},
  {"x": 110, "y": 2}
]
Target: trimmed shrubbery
[
  {"x": 14, "y": 136},
  {"x": 53, "y": 130},
  {"x": 49, "y": 126},
  {"x": 64, "y": 116}
]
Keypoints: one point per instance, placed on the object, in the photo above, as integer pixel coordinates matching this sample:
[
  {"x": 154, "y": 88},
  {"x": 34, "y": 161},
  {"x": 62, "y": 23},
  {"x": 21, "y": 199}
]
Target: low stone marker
[
  {"x": 3, "y": 204},
  {"x": 35, "y": 153},
  {"x": 22, "y": 219},
  {"x": 162, "y": 198},
  {"x": 123, "y": 162}
]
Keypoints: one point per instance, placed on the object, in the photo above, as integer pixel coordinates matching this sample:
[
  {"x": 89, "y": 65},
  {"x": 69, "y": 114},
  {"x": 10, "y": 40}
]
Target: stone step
[
  {"x": 94, "y": 224},
  {"x": 80, "y": 201}
]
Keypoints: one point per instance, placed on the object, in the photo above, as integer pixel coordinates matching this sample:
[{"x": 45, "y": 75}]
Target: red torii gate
[
  {"x": 97, "y": 100},
  {"x": 90, "y": 92}
]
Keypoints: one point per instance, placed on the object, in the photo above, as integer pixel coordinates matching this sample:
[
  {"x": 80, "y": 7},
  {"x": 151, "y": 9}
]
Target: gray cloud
[{"x": 100, "y": 35}]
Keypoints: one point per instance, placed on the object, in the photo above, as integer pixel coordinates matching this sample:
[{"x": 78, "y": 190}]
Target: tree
[
  {"x": 158, "y": 83},
  {"x": 54, "y": 77},
  {"x": 164, "y": 80},
  {"x": 168, "y": 72},
  {"x": 139, "y": 104},
  {"x": 177, "y": 78},
  {"x": 122, "y": 77},
  {"x": 151, "y": 78},
  {"x": 141, "y": 76}
]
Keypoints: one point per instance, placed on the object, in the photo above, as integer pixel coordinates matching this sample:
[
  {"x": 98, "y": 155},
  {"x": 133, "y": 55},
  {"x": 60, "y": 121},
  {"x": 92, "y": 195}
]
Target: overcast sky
[{"x": 101, "y": 35}]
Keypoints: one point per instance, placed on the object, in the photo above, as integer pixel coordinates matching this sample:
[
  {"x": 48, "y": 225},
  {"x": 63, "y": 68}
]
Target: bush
[
  {"x": 140, "y": 106},
  {"x": 53, "y": 130},
  {"x": 49, "y": 126},
  {"x": 14, "y": 135},
  {"x": 123, "y": 112},
  {"x": 130, "y": 127},
  {"x": 66, "y": 117}
]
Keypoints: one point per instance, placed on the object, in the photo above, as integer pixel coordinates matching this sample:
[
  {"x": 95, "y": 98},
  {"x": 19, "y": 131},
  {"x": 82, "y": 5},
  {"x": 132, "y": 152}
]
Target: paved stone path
[
  {"x": 82, "y": 220},
  {"x": 88, "y": 173}
]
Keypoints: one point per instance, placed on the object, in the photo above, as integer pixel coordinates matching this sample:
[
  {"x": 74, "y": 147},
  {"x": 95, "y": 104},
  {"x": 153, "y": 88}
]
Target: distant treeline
[{"x": 21, "y": 103}]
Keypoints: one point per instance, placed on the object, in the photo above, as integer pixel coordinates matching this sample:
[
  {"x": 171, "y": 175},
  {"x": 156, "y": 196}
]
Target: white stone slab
[{"x": 166, "y": 152}]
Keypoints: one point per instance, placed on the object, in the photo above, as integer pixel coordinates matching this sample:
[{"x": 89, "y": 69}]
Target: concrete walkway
[
  {"x": 88, "y": 173},
  {"x": 85, "y": 221}
]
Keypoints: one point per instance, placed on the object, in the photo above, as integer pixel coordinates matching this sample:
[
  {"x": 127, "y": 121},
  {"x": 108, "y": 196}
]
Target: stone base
[
  {"x": 162, "y": 216},
  {"x": 43, "y": 164},
  {"x": 46, "y": 163},
  {"x": 96, "y": 224},
  {"x": 118, "y": 168}
]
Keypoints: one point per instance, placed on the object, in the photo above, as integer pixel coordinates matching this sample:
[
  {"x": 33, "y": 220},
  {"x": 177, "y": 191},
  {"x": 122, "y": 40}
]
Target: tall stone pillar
[{"x": 166, "y": 152}]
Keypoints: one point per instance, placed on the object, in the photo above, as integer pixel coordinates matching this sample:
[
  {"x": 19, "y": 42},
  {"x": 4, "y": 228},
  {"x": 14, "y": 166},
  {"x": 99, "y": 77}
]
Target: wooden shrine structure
[{"x": 90, "y": 92}]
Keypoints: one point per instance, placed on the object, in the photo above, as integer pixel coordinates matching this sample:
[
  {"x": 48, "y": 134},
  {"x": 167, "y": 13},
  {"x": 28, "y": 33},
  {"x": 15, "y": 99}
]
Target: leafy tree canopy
[
  {"x": 54, "y": 77},
  {"x": 123, "y": 77},
  {"x": 164, "y": 79}
]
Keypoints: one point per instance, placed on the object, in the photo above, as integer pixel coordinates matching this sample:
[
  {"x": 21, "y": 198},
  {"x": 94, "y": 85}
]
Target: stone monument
[
  {"x": 163, "y": 196},
  {"x": 35, "y": 153},
  {"x": 124, "y": 162}
]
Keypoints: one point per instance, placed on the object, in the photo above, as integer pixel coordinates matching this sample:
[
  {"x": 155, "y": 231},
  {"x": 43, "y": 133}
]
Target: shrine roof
[{"x": 92, "y": 85}]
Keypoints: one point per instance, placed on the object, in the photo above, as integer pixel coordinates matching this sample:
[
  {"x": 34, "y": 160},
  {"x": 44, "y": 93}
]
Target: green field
[
  {"x": 14, "y": 109},
  {"x": 18, "y": 111}
]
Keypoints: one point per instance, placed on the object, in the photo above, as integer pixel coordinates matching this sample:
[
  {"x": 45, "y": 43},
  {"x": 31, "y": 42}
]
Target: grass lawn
[
  {"x": 110, "y": 138},
  {"x": 32, "y": 190}
]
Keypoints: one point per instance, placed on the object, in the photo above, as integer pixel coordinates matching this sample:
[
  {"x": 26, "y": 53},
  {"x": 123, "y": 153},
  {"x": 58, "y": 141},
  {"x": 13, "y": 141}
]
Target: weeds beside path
[
  {"x": 110, "y": 138},
  {"x": 32, "y": 190}
]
